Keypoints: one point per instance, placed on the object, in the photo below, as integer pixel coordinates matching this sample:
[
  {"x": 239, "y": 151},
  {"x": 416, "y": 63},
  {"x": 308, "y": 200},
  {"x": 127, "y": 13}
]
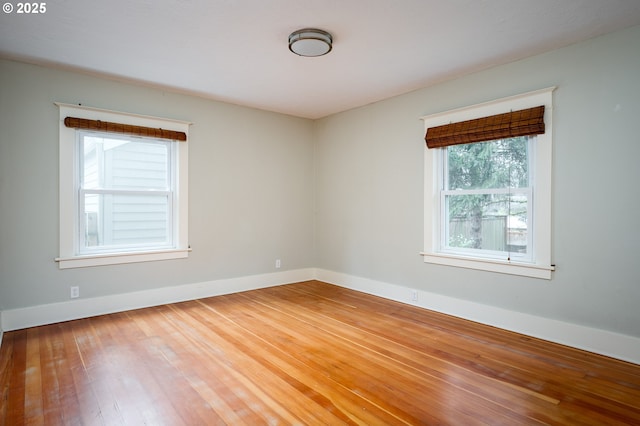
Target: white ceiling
[{"x": 236, "y": 50}]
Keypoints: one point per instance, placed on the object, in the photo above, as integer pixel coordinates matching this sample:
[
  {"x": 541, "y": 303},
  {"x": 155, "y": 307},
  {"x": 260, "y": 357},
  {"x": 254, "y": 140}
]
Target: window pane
[
  {"x": 494, "y": 222},
  {"x": 495, "y": 164},
  {"x": 126, "y": 220},
  {"x": 124, "y": 164}
]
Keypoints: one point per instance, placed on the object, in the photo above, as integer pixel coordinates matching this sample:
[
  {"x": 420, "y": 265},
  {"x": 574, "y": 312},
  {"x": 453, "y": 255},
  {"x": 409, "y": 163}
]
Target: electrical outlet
[
  {"x": 414, "y": 295},
  {"x": 75, "y": 292},
  {"x": 278, "y": 264}
]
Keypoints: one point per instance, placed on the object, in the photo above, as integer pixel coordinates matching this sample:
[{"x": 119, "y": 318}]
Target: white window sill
[
  {"x": 118, "y": 258},
  {"x": 500, "y": 266}
]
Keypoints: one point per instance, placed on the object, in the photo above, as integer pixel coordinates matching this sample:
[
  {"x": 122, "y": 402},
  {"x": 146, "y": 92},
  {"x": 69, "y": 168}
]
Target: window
[
  {"x": 488, "y": 203},
  {"x": 125, "y": 192},
  {"x": 485, "y": 200},
  {"x": 123, "y": 196}
]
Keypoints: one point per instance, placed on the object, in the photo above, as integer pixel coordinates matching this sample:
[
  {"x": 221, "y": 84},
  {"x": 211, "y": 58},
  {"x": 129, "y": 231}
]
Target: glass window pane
[
  {"x": 121, "y": 220},
  {"x": 124, "y": 164},
  {"x": 494, "y": 222},
  {"x": 495, "y": 164}
]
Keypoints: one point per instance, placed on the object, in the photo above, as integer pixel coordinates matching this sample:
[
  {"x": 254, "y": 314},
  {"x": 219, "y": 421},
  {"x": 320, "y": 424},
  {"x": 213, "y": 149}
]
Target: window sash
[
  {"x": 444, "y": 226},
  {"x": 82, "y": 248},
  {"x": 445, "y": 247}
]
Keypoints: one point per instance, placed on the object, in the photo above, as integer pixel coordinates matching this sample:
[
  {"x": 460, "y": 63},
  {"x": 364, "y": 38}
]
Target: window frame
[
  {"x": 169, "y": 192},
  {"x": 71, "y": 255},
  {"x": 445, "y": 191},
  {"x": 540, "y": 264}
]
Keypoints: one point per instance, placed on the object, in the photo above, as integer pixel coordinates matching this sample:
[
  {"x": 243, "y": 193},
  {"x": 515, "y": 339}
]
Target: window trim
[
  {"x": 541, "y": 265},
  {"x": 68, "y": 163}
]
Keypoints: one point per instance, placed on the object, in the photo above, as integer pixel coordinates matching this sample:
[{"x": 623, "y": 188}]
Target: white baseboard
[
  {"x": 615, "y": 345},
  {"x": 603, "y": 342},
  {"x": 15, "y": 319}
]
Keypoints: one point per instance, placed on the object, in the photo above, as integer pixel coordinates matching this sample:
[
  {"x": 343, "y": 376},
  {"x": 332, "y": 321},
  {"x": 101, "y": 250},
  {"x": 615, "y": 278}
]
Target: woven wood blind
[
  {"x": 526, "y": 122},
  {"x": 106, "y": 126}
]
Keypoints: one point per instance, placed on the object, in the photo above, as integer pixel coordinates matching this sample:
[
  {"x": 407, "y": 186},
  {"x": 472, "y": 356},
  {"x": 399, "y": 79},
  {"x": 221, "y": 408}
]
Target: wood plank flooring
[{"x": 303, "y": 354}]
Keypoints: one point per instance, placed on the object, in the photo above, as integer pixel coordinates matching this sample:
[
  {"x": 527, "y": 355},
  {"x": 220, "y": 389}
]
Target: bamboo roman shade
[
  {"x": 106, "y": 126},
  {"x": 526, "y": 122}
]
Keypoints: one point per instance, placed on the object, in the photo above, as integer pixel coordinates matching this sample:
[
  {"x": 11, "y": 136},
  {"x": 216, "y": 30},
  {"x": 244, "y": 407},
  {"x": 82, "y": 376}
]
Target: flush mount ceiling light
[{"x": 310, "y": 42}]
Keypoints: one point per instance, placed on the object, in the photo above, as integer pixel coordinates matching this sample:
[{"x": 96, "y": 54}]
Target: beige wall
[
  {"x": 250, "y": 192},
  {"x": 369, "y": 189},
  {"x": 344, "y": 193}
]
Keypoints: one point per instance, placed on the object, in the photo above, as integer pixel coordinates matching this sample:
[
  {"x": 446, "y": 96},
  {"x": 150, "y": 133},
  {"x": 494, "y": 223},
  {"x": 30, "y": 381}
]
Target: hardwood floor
[{"x": 307, "y": 353}]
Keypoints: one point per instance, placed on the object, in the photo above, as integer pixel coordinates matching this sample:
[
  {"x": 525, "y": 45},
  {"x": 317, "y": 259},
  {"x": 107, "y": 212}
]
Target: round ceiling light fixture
[{"x": 310, "y": 42}]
